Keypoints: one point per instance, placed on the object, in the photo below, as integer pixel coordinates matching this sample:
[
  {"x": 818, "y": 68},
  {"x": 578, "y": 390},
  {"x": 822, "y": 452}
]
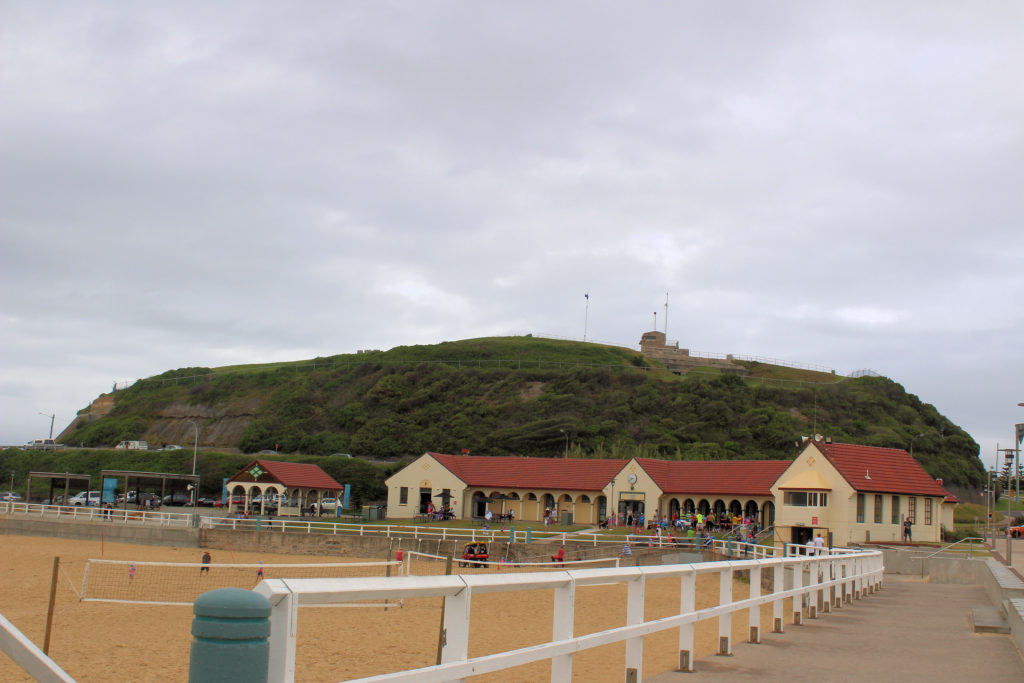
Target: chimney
[{"x": 939, "y": 481}]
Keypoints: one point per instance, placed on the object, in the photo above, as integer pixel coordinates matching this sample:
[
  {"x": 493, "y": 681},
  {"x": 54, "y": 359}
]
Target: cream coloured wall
[
  {"x": 621, "y": 491},
  {"x": 812, "y": 471},
  {"x": 425, "y": 472}
]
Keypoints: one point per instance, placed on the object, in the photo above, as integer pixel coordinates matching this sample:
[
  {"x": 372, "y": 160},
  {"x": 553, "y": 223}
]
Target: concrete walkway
[
  {"x": 911, "y": 630},
  {"x": 1018, "y": 553}
]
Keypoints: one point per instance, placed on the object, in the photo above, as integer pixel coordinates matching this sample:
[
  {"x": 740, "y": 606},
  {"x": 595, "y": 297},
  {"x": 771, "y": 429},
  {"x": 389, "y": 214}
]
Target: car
[
  {"x": 1016, "y": 531},
  {"x": 132, "y": 446},
  {"x": 267, "y": 453},
  {"x": 43, "y": 444},
  {"x": 207, "y": 502},
  {"x": 324, "y": 506},
  {"x": 86, "y": 498},
  {"x": 172, "y": 447},
  {"x": 341, "y": 455},
  {"x": 177, "y": 498},
  {"x": 9, "y": 497}
]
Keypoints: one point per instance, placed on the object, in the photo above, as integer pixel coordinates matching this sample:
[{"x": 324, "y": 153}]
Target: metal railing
[
  {"x": 970, "y": 548},
  {"x": 93, "y": 513}
]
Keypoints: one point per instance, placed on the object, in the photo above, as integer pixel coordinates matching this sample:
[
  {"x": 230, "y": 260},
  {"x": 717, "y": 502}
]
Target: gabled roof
[
  {"x": 880, "y": 470},
  {"x": 290, "y": 474},
  {"x": 531, "y": 473},
  {"x": 715, "y": 477}
]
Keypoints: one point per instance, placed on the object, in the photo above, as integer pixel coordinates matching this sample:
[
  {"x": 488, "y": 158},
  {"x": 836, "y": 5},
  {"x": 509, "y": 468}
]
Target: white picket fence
[
  {"x": 97, "y": 514},
  {"x": 852, "y": 574}
]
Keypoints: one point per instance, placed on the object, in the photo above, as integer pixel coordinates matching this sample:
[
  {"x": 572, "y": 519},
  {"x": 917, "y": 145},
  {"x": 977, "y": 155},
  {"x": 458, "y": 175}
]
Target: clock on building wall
[{"x": 631, "y": 478}]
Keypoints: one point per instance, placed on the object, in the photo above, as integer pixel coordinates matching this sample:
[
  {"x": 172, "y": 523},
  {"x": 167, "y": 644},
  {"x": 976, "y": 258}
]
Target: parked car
[
  {"x": 177, "y": 498},
  {"x": 154, "y": 499},
  {"x": 132, "y": 446},
  {"x": 43, "y": 444},
  {"x": 172, "y": 447},
  {"x": 87, "y": 498},
  {"x": 1017, "y": 531},
  {"x": 326, "y": 506},
  {"x": 9, "y": 497},
  {"x": 206, "y": 502}
]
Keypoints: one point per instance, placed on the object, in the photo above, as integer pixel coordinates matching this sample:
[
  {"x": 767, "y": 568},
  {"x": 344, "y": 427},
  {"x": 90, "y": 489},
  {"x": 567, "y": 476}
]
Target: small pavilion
[{"x": 297, "y": 486}]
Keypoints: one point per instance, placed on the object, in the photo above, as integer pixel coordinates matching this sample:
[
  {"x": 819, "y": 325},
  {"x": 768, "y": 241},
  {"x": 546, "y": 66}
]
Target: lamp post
[
  {"x": 566, "y": 435},
  {"x": 51, "y": 416},
  {"x": 195, "y": 447}
]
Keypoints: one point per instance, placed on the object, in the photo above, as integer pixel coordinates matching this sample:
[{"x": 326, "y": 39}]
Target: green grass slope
[{"x": 527, "y": 396}]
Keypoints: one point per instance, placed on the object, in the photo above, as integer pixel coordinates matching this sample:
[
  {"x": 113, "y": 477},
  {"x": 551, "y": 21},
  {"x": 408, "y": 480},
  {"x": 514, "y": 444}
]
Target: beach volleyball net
[
  {"x": 425, "y": 564},
  {"x": 180, "y": 583}
]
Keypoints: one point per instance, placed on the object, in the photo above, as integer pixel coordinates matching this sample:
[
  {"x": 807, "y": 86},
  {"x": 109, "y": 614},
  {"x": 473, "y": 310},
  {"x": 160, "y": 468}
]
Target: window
[
  {"x": 895, "y": 509},
  {"x": 403, "y": 495},
  {"x": 928, "y": 511},
  {"x": 804, "y": 499},
  {"x": 912, "y": 509},
  {"x": 860, "y": 508},
  {"x": 878, "y": 509}
]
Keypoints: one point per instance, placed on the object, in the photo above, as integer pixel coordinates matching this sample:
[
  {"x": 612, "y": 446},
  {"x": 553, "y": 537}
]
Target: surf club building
[{"x": 854, "y": 493}]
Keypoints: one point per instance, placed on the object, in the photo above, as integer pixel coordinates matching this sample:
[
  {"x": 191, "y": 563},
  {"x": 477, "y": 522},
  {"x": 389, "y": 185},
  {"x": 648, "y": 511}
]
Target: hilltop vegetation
[{"x": 526, "y": 396}]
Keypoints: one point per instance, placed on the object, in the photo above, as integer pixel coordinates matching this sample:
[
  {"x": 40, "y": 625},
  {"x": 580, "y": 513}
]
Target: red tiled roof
[
  {"x": 715, "y": 477},
  {"x": 291, "y": 474},
  {"x": 531, "y": 473},
  {"x": 950, "y": 498},
  {"x": 882, "y": 470}
]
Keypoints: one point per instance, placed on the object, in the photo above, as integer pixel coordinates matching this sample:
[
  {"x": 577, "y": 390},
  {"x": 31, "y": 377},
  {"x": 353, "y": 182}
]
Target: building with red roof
[
  {"x": 857, "y": 494},
  {"x": 288, "y": 487},
  {"x": 844, "y": 492}
]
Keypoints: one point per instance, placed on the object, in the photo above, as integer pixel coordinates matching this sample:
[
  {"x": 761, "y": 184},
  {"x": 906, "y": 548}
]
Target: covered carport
[
  {"x": 54, "y": 478},
  {"x": 151, "y": 482}
]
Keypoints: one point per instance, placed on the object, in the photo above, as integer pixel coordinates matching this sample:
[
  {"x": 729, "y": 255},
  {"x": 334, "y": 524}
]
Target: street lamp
[
  {"x": 195, "y": 454},
  {"x": 54, "y": 415},
  {"x": 566, "y": 434}
]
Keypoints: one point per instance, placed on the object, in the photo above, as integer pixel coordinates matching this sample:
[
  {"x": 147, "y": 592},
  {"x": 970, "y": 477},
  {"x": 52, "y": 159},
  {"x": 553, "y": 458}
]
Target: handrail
[{"x": 970, "y": 549}]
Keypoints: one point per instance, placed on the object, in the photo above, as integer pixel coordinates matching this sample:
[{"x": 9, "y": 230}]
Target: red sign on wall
[{"x": 814, "y": 521}]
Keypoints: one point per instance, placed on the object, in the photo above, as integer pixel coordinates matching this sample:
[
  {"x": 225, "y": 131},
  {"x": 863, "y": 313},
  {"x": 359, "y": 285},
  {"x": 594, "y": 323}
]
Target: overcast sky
[{"x": 203, "y": 184}]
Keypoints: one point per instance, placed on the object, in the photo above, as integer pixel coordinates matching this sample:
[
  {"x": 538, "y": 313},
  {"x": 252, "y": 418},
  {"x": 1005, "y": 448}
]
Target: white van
[
  {"x": 132, "y": 446},
  {"x": 87, "y": 498}
]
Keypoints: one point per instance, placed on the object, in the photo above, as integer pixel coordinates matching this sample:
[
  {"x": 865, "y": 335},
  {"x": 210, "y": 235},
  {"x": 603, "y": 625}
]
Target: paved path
[
  {"x": 911, "y": 630},
  {"x": 1018, "y": 553}
]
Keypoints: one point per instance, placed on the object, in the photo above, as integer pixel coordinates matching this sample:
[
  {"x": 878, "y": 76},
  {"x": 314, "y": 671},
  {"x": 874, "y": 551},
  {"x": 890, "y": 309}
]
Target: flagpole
[{"x": 586, "y": 314}]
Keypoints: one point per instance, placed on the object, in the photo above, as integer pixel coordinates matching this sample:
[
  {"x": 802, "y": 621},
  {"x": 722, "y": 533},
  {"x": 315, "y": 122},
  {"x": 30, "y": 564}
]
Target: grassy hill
[{"x": 525, "y": 396}]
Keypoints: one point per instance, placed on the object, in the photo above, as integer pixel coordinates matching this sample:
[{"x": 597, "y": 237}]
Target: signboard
[{"x": 814, "y": 521}]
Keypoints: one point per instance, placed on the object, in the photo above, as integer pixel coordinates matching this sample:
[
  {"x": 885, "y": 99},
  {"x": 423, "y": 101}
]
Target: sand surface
[{"x": 125, "y": 642}]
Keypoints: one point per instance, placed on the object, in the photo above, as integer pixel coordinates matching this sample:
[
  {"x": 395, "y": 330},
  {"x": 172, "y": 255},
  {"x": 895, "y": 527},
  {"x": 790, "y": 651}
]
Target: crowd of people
[{"x": 697, "y": 521}]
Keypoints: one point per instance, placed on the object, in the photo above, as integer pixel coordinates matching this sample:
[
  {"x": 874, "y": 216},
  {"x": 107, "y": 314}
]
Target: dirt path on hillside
[{"x": 109, "y": 641}]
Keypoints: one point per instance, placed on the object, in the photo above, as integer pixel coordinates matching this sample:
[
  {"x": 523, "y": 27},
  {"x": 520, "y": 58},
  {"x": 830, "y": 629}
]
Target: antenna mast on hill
[
  {"x": 666, "y": 316},
  {"x": 586, "y": 314},
  {"x": 655, "y": 328}
]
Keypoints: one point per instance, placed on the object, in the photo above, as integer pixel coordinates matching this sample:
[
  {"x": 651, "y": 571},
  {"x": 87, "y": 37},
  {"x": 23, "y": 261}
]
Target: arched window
[
  {"x": 735, "y": 508},
  {"x": 719, "y": 508},
  {"x": 531, "y": 496},
  {"x": 673, "y": 507},
  {"x": 688, "y": 506},
  {"x": 584, "y": 498},
  {"x": 704, "y": 507},
  {"x": 515, "y": 496},
  {"x": 549, "y": 501},
  {"x": 567, "y": 498},
  {"x": 751, "y": 510}
]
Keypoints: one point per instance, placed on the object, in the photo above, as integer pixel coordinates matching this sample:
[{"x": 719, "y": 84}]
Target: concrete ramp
[{"x": 909, "y": 631}]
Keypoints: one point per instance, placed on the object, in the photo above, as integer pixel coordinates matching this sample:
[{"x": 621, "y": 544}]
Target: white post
[
  {"x": 635, "y": 615},
  {"x": 283, "y": 621},
  {"x": 755, "y": 611},
  {"x": 812, "y": 596},
  {"x": 562, "y": 629},
  {"x": 687, "y": 605},
  {"x": 778, "y": 586},
  {"x": 456, "y": 627},
  {"x": 725, "y": 620},
  {"x": 798, "y": 597}
]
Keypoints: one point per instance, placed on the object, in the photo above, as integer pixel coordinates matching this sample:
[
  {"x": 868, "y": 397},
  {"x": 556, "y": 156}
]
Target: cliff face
[{"x": 524, "y": 397}]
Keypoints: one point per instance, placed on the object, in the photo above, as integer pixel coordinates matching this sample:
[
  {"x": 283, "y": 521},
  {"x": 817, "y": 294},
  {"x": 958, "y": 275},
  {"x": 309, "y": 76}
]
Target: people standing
[
  {"x": 205, "y": 569},
  {"x": 819, "y": 545}
]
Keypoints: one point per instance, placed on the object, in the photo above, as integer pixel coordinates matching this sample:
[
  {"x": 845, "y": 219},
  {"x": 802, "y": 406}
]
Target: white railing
[
  {"x": 28, "y": 656},
  {"x": 850, "y": 574},
  {"x": 98, "y": 514}
]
